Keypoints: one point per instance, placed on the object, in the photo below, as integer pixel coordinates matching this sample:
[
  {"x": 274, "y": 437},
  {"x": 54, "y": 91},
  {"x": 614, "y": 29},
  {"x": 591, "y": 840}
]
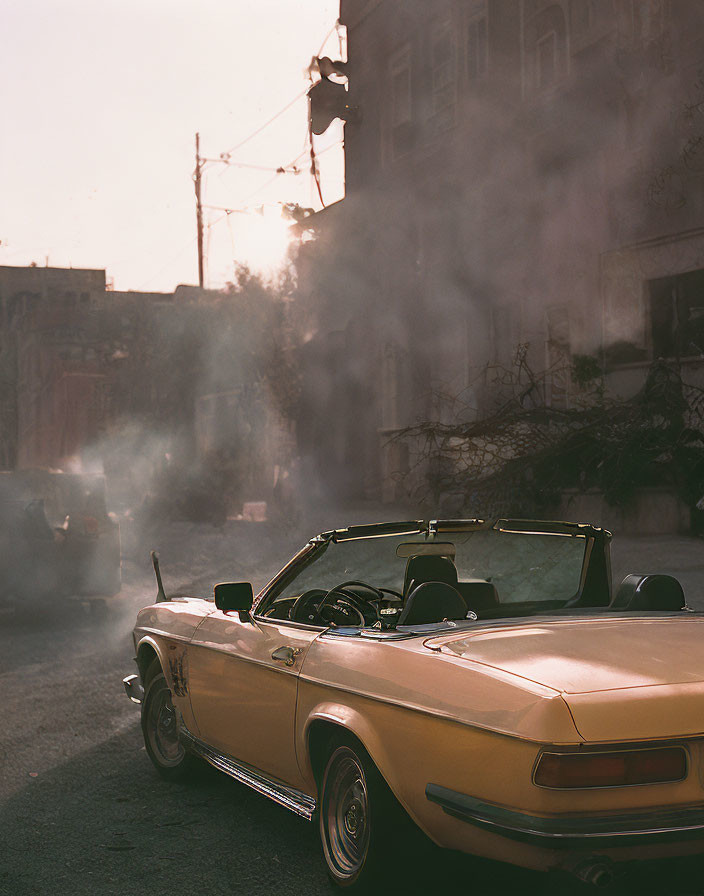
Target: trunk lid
[{"x": 623, "y": 678}]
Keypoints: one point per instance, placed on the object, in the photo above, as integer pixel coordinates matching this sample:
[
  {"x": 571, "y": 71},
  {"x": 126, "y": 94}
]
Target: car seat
[
  {"x": 655, "y": 592},
  {"x": 432, "y": 602}
]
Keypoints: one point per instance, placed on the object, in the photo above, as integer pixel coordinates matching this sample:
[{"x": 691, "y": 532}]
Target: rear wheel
[
  {"x": 359, "y": 818},
  {"x": 160, "y": 727}
]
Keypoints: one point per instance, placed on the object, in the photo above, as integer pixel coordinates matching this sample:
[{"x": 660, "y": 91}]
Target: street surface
[{"x": 82, "y": 812}]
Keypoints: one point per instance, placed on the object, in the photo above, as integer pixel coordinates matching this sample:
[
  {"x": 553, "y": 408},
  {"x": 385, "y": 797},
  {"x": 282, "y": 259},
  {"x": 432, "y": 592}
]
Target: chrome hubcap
[
  {"x": 352, "y": 818},
  {"x": 345, "y": 814},
  {"x": 163, "y": 728}
]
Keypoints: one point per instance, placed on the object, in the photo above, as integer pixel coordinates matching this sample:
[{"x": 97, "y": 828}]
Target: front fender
[
  {"x": 173, "y": 658},
  {"x": 146, "y": 647}
]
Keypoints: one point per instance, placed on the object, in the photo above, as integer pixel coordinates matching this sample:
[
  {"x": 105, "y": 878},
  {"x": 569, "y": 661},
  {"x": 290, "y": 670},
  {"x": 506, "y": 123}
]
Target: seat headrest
[
  {"x": 429, "y": 568},
  {"x": 657, "y": 592},
  {"x": 432, "y": 602},
  {"x": 479, "y": 594}
]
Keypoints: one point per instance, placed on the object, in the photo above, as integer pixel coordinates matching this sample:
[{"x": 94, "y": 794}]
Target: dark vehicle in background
[{"x": 57, "y": 540}]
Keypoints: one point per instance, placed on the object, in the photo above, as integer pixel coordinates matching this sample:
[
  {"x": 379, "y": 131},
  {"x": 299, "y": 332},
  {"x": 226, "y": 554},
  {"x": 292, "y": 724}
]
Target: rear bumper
[
  {"x": 571, "y": 832},
  {"x": 133, "y": 688}
]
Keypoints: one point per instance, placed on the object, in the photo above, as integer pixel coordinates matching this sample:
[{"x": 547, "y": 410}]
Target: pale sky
[{"x": 101, "y": 102}]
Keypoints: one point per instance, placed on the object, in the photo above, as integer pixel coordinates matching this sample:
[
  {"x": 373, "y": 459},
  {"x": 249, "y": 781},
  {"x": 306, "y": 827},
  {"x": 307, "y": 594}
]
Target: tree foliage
[{"x": 519, "y": 456}]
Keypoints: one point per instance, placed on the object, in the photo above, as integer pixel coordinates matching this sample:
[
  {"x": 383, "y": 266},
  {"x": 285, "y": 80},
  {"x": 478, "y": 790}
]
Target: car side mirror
[{"x": 234, "y": 596}]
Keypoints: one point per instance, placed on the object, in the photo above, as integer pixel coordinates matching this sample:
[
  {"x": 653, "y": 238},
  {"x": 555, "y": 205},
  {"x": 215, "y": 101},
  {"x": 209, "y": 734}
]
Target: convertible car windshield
[{"x": 492, "y": 566}]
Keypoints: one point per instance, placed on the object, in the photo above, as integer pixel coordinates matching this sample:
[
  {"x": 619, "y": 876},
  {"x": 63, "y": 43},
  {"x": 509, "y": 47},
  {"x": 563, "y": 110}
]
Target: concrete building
[
  {"x": 128, "y": 382},
  {"x": 64, "y": 340},
  {"x": 518, "y": 172},
  {"x": 52, "y": 387}
]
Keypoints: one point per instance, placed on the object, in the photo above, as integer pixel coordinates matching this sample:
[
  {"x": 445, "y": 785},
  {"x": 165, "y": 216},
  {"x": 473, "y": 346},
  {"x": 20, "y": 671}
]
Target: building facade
[
  {"x": 519, "y": 172},
  {"x": 52, "y": 384},
  {"x": 132, "y": 383}
]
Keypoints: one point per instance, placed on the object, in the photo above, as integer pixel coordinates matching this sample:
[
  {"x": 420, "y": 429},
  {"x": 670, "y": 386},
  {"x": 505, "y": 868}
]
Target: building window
[
  {"x": 582, "y": 17},
  {"x": 401, "y": 103},
  {"x": 476, "y": 49},
  {"x": 444, "y": 86},
  {"x": 677, "y": 315},
  {"x": 648, "y": 20},
  {"x": 546, "y": 61},
  {"x": 590, "y": 21},
  {"x": 545, "y": 41}
]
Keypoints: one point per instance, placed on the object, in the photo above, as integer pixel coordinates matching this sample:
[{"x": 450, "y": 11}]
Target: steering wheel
[
  {"x": 343, "y": 612},
  {"x": 309, "y": 608},
  {"x": 343, "y": 589},
  {"x": 303, "y": 608},
  {"x": 390, "y": 591}
]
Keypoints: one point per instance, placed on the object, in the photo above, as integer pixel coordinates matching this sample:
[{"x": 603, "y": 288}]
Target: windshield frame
[{"x": 595, "y": 575}]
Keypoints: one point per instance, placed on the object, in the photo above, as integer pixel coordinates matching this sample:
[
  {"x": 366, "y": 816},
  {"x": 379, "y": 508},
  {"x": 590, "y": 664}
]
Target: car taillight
[{"x": 615, "y": 769}]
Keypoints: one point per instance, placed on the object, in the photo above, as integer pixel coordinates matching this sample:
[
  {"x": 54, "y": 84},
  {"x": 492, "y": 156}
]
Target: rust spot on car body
[{"x": 179, "y": 678}]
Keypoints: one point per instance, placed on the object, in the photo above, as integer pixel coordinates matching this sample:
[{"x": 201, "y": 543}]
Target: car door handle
[{"x": 286, "y": 654}]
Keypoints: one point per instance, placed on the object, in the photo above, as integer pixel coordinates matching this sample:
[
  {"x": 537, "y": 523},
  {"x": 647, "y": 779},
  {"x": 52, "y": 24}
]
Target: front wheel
[
  {"x": 358, "y": 818},
  {"x": 160, "y": 728}
]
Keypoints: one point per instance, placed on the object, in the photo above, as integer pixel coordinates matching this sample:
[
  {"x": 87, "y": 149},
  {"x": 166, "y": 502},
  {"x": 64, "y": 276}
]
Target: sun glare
[{"x": 263, "y": 241}]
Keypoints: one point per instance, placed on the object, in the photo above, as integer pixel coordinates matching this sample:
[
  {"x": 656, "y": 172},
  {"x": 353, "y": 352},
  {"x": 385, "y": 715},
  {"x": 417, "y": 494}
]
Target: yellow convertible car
[{"x": 476, "y": 677}]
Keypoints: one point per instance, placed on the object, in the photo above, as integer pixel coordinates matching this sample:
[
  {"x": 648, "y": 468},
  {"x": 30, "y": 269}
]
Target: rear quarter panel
[{"x": 426, "y": 718}]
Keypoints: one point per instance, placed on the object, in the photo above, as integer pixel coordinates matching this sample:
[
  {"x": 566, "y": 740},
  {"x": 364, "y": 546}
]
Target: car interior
[{"x": 434, "y": 594}]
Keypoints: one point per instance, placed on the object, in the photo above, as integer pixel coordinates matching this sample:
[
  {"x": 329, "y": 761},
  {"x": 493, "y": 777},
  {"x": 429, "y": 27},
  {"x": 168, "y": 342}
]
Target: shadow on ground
[{"x": 105, "y": 823}]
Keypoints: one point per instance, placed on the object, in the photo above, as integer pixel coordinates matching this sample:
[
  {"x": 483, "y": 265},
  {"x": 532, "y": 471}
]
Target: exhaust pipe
[{"x": 598, "y": 871}]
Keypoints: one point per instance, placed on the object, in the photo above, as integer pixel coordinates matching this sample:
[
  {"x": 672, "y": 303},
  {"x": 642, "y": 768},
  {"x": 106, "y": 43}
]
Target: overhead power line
[
  {"x": 285, "y": 169},
  {"x": 259, "y": 189},
  {"x": 242, "y": 210},
  {"x": 202, "y": 163},
  {"x": 327, "y": 37},
  {"x": 267, "y": 123},
  {"x": 294, "y": 163},
  {"x": 287, "y": 106},
  {"x": 282, "y": 169}
]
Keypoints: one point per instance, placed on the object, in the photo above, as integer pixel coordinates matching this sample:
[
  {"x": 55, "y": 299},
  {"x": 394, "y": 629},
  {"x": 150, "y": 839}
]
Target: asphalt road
[{"x": 83, "y": 812}]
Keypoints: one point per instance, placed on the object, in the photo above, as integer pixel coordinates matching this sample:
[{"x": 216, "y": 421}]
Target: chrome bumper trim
[
  {"x": 571, "y": 831},
  {"x": 288, "y": 797},
  {"x": 133, "y": 688}
]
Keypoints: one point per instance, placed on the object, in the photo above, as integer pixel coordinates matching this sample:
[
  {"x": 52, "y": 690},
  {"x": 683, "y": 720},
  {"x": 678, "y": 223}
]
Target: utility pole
[{"x": 199, "y": 211}]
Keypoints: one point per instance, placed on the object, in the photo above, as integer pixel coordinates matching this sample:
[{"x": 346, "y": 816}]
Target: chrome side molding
[
  {"x": 572, "y": 831},
  {"x": 294, "y": 800}
]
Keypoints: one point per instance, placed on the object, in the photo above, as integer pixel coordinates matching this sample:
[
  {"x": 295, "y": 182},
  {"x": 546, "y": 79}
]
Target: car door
[{"x": 243, "y": 679}]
